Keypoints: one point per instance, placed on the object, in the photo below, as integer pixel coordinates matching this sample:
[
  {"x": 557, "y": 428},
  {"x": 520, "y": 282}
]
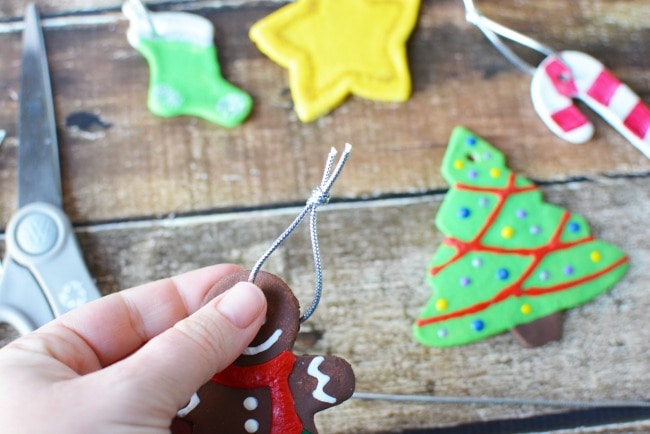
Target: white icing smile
[
  {"x": 251, "y": 351},
  {"x": 323, "y": 379}
]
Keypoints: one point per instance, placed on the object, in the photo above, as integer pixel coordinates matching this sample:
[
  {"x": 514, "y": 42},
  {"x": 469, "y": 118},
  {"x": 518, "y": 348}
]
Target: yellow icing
[{"x": 334, "y": 48}]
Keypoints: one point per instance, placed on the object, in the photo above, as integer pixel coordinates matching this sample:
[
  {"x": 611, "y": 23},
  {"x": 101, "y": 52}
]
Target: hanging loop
[
  {"x": 494, "y": 31},
  {"x": 320, "y": 196}
]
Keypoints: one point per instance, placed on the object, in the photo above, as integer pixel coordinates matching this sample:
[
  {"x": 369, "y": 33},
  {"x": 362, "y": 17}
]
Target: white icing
[
  {"x": 194, "y": 401},
  {"x": 250, "y": 403},
  {"x": 251, "y": 425},
  {"x": 323, "y": 379},
  {"x": 251, "y": 351},
  {"x": 170, "y": 26}
]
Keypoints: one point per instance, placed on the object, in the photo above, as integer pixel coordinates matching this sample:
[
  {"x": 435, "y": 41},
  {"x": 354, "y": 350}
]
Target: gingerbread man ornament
[{"x": 268, "y": 389}]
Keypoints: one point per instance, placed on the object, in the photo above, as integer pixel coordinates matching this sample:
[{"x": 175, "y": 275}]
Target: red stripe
[
  {"x": 569, "y": 118},
  {"x": 638, "y": 121},
  {"x": 604, "y": 87}
]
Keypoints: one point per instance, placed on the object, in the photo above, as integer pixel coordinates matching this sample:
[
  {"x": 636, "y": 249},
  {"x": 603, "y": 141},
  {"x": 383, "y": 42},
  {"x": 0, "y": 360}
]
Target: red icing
[
  {"x": 273, "y": 374},
  {"x": 638, "y": 121},
  {"x": 569, "y": 118},
  {"x": 516, "y": 289},
  {"x": 604, "y": 87}
]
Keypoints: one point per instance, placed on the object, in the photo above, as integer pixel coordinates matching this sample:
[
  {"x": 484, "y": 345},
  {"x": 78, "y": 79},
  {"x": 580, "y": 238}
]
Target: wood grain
[
  {"x": 154, "y": 197},
  {"x": 130, "y": 164}
]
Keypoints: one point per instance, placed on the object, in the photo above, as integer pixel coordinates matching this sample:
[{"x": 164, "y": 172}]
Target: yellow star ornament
[{"x": 333, "y": 48}]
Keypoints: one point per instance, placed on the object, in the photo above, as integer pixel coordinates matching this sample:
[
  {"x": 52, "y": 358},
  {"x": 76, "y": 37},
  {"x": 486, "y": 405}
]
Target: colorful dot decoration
[
  {"x": 465, "y": 281},
  {"x": 483, "y": 201},
  {"x": 442, "y": 304},
  {"x": 495, "y": 173},
  {"x": 574, "y": 227},
  {"x": 458, "y": 164},
  {"x": 595, "y": 256},
  {"x": 507, "y": 232},
  {"x": 535, "y": 230},
  {"x": 569, "y": 270},
  {"x": 503, "y": 274},
  {"x": 521, "y": 213},
  {"x": 463, "y": 213},
  {"x": 478, "y": 325},
  {"x": 526, "y": 309},
  {"x": 471, "y": 141}
]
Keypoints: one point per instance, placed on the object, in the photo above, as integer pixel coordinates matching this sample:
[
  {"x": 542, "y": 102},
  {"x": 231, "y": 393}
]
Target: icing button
[
  {"x": 251, "y": 425},
  {"x": 250, "y": 403}
]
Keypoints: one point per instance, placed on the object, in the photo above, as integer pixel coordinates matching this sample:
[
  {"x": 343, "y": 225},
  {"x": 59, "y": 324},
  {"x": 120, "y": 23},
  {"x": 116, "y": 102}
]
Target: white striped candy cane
[{"x": 571, "y": 74}]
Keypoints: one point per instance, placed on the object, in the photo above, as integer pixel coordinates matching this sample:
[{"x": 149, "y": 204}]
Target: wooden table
[{"x": 152, "y": 197}]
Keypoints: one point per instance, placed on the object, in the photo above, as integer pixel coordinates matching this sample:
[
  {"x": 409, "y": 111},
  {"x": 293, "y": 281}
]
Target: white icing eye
[
  {"x": 251, "y": 425},
  {"x": 250, "y": 403}
]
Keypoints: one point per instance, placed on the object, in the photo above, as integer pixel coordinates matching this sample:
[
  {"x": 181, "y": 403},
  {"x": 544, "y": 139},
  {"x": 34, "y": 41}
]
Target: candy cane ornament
[{"x": 569, "y": 75}]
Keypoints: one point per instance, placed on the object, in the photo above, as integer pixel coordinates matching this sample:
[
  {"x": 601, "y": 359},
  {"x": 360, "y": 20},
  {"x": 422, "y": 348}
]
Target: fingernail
[{"x": 241, "y": 304}]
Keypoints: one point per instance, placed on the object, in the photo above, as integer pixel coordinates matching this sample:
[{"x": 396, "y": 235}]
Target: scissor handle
[
  {"x": 40, "y": 238},
  {"x": 22, "y": 303}
]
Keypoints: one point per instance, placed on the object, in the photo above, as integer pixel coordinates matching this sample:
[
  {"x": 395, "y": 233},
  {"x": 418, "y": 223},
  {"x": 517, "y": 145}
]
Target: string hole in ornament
[{"x": 471, "y": 157}]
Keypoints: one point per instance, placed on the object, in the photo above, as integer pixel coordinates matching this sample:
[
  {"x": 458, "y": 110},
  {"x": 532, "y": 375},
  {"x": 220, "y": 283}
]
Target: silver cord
[
  {"x": 320, "y": 196},
  {"x": 144, "y": 13},
  {"x": 493, "y": 31},
  {"x": 428, "y": 399}
]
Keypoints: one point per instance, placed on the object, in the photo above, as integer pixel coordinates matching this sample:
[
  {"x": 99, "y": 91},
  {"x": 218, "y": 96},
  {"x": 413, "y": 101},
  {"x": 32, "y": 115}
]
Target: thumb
[{"x": 173, "y": 365}]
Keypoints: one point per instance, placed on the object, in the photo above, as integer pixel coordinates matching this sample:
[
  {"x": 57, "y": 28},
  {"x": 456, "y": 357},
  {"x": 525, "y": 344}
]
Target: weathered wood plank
[
  {"x": 375, "y": 256},
  {"x": 130, "y": 164}
]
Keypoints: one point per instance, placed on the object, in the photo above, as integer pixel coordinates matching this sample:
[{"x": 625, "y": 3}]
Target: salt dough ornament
[
  {"x": 567, "y": 75},
  {"x": 268, "y": 389},
  {"x": 334, "y": 48},
  {"x": 509, "y": 258},
  {"x": 185, "y": 77}
]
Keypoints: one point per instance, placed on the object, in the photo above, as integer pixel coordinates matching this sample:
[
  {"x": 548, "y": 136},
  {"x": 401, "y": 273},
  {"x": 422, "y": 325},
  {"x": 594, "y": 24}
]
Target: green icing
[
  {"x": 509, "y": 258},
  {"x": 185, "y": 79}
]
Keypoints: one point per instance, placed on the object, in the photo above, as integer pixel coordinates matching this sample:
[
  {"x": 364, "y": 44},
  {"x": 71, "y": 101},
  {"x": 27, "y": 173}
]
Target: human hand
[{"x": 127, "y": 362}]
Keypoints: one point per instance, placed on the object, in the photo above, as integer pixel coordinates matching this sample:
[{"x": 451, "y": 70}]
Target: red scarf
[{"x": 273, "y": 374}]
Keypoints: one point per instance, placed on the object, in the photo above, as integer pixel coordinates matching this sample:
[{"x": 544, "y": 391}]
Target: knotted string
[{"x": 320, "y": 196}]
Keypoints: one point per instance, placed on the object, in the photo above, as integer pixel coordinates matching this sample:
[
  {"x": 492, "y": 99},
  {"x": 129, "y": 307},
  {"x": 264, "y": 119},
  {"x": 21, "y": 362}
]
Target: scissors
[{"x": 43, "y": 273}]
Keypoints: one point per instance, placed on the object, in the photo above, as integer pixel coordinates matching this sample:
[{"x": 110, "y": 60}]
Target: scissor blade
[{"x": 39, "y": 173}]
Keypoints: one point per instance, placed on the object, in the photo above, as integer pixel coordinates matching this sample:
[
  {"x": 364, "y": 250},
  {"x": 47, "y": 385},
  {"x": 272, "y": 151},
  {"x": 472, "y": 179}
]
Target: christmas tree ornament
[
  {"x": 185, "y": 77},
  {"x": 567, "y": 75},
  {"x": 269, "y": 389},
  {"x": 509, "y": 260},
  {"x": 334, "y": 48}
]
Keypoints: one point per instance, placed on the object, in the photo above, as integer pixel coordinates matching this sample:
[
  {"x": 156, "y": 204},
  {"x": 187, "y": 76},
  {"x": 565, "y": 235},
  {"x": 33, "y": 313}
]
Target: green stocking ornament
[
  {"x": 509, "y": 260},
  {"x": 185, "y": 78}
]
